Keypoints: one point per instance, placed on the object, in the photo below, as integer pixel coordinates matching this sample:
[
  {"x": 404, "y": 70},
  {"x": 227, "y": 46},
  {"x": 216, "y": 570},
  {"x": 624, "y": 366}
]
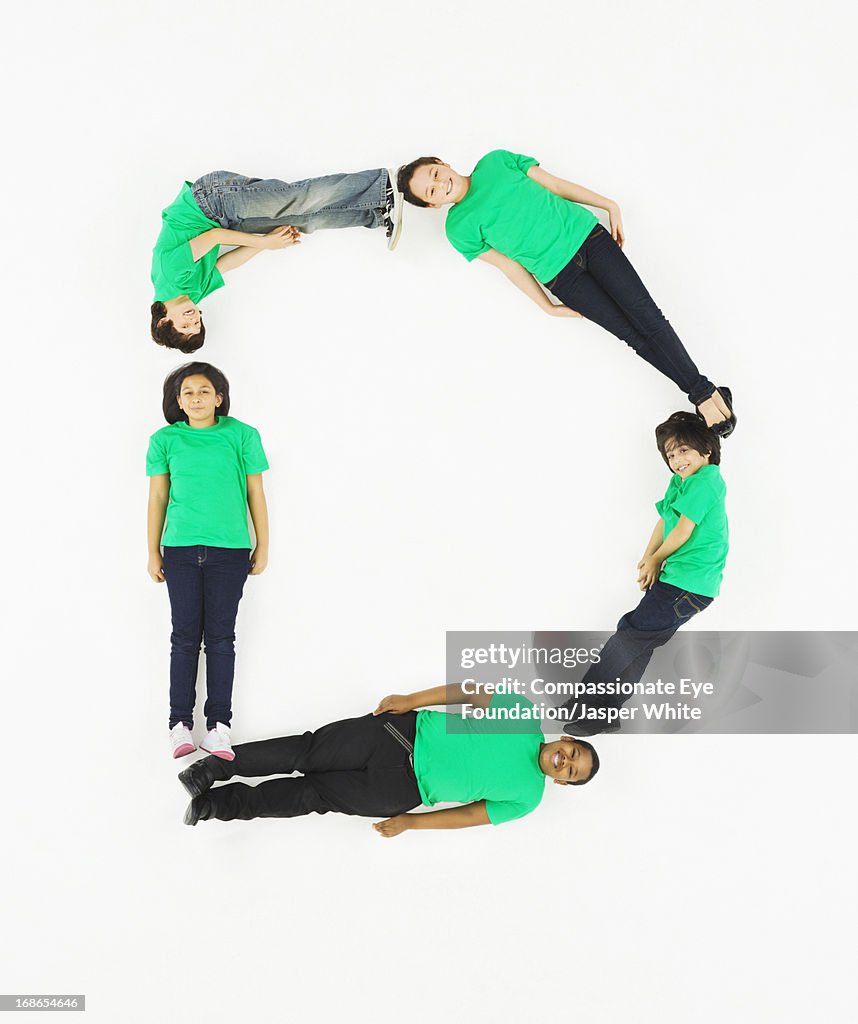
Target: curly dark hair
[
  {"x": 166, "y": 334},
  {"x": 405, "y": 174},
  {"x": 690, "y": 429},
  {"x": 173, "y": 385}
]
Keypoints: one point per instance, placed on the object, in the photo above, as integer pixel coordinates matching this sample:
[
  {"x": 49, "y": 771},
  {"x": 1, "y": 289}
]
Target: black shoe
[
  {"x": 199, "y": 809},
  {"x": 726, "y": 427},
  {"x": 197, "y": 778}
]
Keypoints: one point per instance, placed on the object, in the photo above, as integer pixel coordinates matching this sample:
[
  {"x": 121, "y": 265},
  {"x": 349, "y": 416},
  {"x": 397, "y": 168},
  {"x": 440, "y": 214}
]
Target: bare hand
[
  {"x": 395, "y": 704},
  {"x": 649, "y": 569},
  {"x": 563, "y": 311},
  {"x": 155, "y": 568},
  {"x": 258, "y": 562},
  {"x": 282, "y": 237},
  {"x": 616, "y": 219},
  {"x": 391, "y": 826}
]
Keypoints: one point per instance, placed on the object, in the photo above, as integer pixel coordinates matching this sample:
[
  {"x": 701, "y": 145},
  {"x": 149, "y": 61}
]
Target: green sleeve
[
  {"x": 252, "y": 452},
  {"x": 469, "y": 244},
  {"x": 524, "y": 163},
  {"x": 698, "y": 498},
  {"x": 501, "y": 811},
  {"x": 156, "y": 457}
]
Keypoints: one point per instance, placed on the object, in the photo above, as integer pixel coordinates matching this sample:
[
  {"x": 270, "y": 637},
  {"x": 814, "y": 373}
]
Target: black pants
[
  {"x": 601, "y": 284},
  {"x": 358, "y": 766},
  {"x": 662, "y": 610}
]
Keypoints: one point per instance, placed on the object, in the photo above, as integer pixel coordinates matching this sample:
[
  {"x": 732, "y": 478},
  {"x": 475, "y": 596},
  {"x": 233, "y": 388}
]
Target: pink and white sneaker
[
  {"x": 217, "y": 742},
  {"x": 181, "y": 739}
]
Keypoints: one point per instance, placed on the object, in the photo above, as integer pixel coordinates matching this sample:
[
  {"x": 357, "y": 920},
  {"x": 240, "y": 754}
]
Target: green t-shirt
[
  {"x": 698, "y": 565},
  {"x": 208, "y": 468},
  {"x": 461, "y": 760},
  {"x": 174, "y": 272},
  {"x": 507, "y": 211}
]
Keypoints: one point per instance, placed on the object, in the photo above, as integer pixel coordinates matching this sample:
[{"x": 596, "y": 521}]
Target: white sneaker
[
  {"x": 394, "y": 207},
  {"x": 217, "y": 742},
  {"x": 181, "y": 739}
]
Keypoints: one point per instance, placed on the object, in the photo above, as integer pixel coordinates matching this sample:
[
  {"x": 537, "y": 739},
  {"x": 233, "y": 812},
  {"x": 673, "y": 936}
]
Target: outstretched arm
[
  {"x": 650, "y": 564},
  {"x": 578, "y": 194},
  {"x": 451, "y": 693},
  {"x": 450, "y": 817},
  {"x": 525, "y": 282}
]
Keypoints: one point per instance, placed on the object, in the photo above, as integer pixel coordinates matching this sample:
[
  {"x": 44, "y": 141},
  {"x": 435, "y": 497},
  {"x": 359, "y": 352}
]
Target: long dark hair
[
  {"x": 173, "y": 385},
  {"x": 689, "y": 429},
  {"x": 164, "y": 333}
]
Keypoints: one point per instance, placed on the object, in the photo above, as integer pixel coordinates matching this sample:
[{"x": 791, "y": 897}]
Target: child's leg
[
  {"x": 185, "y": 587},
  {"x": 369, "y": 793},
  {"x": 224, "y": 571},
  {"x": 608, "y": 291},
  {"x": 661, "y": 611},
  {"x": 257, "y": 205},
  {"x": 355, "y": 744}
]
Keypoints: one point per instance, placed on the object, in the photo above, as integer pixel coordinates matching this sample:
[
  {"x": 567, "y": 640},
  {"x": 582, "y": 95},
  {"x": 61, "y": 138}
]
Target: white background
[{"x": 443, "y": 457}]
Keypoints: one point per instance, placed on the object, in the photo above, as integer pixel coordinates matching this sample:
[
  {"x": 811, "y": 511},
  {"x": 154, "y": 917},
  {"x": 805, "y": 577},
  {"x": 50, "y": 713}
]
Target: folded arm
[
  {"x": 278, "y": 238},
  {"x": 578, "y": 194},
  {"x": 650, "y": 564}
]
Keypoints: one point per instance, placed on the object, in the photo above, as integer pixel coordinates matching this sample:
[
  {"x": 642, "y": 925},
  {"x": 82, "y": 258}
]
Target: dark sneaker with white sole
[{"x": 393, "y": 209}]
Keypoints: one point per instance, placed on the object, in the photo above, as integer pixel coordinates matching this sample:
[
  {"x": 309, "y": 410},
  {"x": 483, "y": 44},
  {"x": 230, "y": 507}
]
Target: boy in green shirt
[
  {"x": 681, "y": 569},
  {"x": 513, "y": 214},
  {"x": 394, "y": 760},
  {"x": 227, "y": 209}
]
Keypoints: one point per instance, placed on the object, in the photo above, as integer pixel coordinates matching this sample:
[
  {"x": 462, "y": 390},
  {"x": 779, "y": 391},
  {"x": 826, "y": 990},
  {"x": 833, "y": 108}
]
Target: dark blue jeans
[
  {"x": 662, "y": 610},
  {"x": 601, "y": 284},
  {"x": 205, "y": 586}
]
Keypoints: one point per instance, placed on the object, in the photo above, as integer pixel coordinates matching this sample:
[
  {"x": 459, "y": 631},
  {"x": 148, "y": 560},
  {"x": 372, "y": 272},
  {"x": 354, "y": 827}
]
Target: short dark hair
[
  {"x": 166, "y": 334},
  {"x": 406, "y": 173},
  {"x": 594, "y": 769},
  {"x": 690, "y": 429},
  {"x": 173, "y": 385}
]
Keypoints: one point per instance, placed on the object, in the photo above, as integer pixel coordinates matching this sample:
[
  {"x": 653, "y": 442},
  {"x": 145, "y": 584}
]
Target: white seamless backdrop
[{"x": 443, "y": 457}]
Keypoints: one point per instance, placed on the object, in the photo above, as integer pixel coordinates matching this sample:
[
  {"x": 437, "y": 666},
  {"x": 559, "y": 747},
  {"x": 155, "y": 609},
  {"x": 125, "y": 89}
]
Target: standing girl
[{"x": 205, "y": 471}]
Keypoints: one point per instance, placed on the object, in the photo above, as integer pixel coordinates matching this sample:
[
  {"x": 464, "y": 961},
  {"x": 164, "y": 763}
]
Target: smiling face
[
  {"x": 683, "y": 459},
  {"x": 198, "y": 400},
  {"x": 438, "y": 184},
  {"x": 565, "y": 760},
  {"x": 185, "y": 317}
]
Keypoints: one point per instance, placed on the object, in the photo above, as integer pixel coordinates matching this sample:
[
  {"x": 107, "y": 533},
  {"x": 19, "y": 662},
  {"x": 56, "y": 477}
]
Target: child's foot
[
  {"x": 198, "y": 809},
  {"x": 392, "y": 216},
  {"x": 181, "y": 740},
  {"x": 717, "y": 412},
  {"x": 217, "y": 742},
  {"x": 197, "y": 778}
]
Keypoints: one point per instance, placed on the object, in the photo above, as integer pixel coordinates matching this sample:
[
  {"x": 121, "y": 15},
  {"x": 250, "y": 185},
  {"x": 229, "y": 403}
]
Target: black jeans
[
  {"x": 601, "y": 284},
  {"x": 357, "y": 766},
  {"x": 205, "y": 586},
  {"x": 662, "y": 610}
]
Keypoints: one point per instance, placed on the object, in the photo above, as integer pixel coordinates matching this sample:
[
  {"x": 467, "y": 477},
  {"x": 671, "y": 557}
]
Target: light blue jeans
[{"x": 257, "y": 205}]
